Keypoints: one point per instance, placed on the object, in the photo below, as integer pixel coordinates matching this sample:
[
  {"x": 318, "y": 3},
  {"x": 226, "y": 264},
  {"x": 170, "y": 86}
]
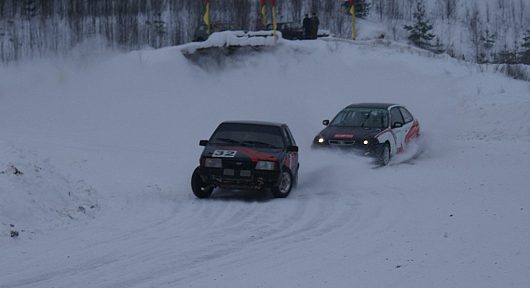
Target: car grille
[
  {"x": 341, "y": 142},
  {"x": 232, "y": 168}
]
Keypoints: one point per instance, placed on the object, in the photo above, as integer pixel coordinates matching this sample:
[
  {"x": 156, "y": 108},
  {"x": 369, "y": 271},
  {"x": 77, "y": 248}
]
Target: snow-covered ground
[{"x": 105, "y": 146}]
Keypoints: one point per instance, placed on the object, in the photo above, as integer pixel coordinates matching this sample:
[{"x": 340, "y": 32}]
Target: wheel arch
[{"x": 388, "y": 137}]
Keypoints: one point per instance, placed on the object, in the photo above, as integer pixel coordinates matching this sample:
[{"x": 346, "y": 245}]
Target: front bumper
[
  {"x": 231, "y": 178},
  {"x": 355, "y": 146}
]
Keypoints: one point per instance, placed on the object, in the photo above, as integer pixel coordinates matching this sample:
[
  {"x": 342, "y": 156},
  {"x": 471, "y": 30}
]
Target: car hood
[
  {"x": 343, "y": 133},
  {"x": 242, "y": 153}
]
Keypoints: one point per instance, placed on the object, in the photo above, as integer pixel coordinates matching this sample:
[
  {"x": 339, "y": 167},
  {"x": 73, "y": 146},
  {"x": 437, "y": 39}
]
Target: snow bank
[
  {"x": 234, "y": 38},
  {"x": 36, "y": 197}
]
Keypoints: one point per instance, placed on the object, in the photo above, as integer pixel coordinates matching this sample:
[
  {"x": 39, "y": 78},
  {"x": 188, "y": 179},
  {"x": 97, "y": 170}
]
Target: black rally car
[{"x": 247, "y": 155}]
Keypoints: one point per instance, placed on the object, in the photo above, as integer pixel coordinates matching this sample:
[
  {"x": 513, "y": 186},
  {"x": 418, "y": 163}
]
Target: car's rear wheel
[
  {"x": 199, "y": 187},
  {"x": 284, "y": 186},
  {"x": 295, "y": 178},
  {"x": 384, "y": 156}
]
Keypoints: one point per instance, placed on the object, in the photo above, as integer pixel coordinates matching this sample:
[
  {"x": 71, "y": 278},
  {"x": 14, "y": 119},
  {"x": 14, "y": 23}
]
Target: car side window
[
  {"x": 288, "y": 137},
  {"x": 395, "y": 116},
  {"x": 406, "y": 114}
]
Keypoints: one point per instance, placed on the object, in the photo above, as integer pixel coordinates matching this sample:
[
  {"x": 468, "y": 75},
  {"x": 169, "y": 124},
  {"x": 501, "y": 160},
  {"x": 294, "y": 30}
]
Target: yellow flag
[
  {"x": 206, "y": 16},
  {"x": 263, "y": 12},
  {"x": 353, "y": 28}
]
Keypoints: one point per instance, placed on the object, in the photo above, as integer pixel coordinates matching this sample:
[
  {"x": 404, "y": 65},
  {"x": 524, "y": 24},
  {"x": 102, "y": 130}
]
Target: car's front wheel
[
  {"x": 199, "y": 187},
  {"x": 384, "y": 156},
  {"x": 284, "y": 186}
]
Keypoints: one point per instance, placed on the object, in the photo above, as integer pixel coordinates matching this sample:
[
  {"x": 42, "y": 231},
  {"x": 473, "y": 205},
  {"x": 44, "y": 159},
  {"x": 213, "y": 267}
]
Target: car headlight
[
  {"x": 213, "y": 163},
  {"x": 320, "y": 140},
  {"x": 265, "y": 165},
  {"x": 366, "y": 142}
]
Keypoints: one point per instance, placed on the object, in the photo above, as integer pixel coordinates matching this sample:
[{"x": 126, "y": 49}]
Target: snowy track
[{"x": 450, "y": 212}]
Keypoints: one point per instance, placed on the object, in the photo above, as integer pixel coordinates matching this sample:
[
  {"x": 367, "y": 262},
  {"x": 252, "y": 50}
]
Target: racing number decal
[{"x": 224, "y": 153}]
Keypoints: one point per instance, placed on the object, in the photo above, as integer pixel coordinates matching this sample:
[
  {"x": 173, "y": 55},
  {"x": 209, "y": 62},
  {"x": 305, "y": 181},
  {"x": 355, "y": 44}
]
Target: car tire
[
  {"x": 284, "y": 186},
  {"x": 199, "y": 187},
  {"x": 384, "y": 155}
]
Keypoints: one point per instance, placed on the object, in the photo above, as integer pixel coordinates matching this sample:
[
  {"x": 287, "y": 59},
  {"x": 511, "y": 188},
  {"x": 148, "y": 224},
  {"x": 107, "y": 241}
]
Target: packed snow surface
[{"x": 105, "y": 146}]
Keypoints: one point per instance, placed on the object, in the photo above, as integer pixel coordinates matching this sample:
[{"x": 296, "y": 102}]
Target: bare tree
[
  {"x": 242, "y": 11},
  {"x": 379, "y": 6},
  {"x": 475, "y": 30},
  {"x": 393, "y": 10},
  {"x": 450, "y": 9}
]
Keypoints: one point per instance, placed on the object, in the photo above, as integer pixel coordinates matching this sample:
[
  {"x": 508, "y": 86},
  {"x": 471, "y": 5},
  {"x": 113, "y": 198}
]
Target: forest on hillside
[{"x": 475, "y": 30}]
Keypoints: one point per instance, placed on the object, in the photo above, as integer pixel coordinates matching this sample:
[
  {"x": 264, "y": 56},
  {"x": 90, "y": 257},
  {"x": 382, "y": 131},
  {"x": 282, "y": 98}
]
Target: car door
[
  {"x": 408, "y": 123},
  {"x": 399, "y": 130}
]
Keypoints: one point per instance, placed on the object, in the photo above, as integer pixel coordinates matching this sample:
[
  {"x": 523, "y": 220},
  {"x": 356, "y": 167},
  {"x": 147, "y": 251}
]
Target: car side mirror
[
  {"x": 203, "y": 142},
  {"x": 325, "y": 122},
  {"x": 292, "y": 148},
  {"x": 397, "y": 125}
]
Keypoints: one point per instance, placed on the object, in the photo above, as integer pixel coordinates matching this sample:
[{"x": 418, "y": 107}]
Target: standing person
[
  {"x": 314, "y": 25},
  {"x": 307, "y": 26}
]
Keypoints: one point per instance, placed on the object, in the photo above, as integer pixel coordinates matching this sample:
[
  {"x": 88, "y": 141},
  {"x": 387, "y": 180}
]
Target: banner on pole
[
  {"x": 206, "y": 16},
  {"x": 352, "y": 12},
  {"x": 263, "y": 12}
]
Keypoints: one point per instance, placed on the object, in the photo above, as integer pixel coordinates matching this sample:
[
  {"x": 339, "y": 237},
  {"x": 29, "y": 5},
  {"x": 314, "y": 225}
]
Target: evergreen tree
[
  {"x": 507, "y": 56},
  {"x": 362, "y": 8},
  {"x": 438, "y": 48},
  {"x": 30, "y": 9},
  {"x": 158, "y": 28},
  {"x": 488, "y": 41},
  {"x": 525, "y": 57},
  {"x": 420, "y": 32}
]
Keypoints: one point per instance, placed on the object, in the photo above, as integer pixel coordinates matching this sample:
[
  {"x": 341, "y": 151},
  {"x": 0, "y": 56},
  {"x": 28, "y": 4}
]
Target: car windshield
[
  {"x": 251, "y": 135},
  {"x": 361, "y": 117}
]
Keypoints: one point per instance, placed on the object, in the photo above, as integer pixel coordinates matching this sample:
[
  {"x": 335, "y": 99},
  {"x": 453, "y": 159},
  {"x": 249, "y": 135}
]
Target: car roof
[
  {"x": 261, "y": 123},
  {"x": 372, "y": 105}
]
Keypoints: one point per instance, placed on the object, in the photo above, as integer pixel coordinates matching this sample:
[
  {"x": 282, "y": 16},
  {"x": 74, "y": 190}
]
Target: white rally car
[{"x": 380, "y": 130}]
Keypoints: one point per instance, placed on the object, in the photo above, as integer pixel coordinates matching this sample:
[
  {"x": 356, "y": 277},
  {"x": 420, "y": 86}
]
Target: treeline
[
  {"x": 39, "y": 27},
  {"x": 34, "y": 28},
  {"x": 481, "y": 31},
  {"x": 483, "y": 34}
]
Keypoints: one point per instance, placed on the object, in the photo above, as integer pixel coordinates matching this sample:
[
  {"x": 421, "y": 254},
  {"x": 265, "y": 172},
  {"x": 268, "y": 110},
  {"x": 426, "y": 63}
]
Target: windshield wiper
[
  {"x": 227, "y": 140},
  {"x": 259, "y": 143}
]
